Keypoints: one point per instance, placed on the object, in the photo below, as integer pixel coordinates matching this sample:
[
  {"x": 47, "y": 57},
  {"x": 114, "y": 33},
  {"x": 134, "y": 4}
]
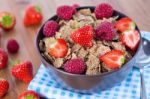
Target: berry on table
[
  {"x": 12, "y": 46},
  {"x": 29, "y": 95},
  {"x": 4, "y": 86},
  {"x": 3, "y": 58},
  {"x": 33, "y": 15},
  {"x": 7, "y": 20},
  {"x": 23, "y": 71}
]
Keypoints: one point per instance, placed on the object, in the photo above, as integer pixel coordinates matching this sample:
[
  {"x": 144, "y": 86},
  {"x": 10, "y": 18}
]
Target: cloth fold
[{"x": 46, "y": 85}]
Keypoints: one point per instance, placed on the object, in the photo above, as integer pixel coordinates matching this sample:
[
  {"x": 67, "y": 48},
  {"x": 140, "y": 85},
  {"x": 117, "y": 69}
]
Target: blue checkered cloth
[{"x": 46, "y": 85}]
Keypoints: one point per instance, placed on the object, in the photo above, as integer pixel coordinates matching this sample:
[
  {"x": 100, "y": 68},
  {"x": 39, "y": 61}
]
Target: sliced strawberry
[
  {"x": 57, "y": 47},
  {"x": 83, "y": 36},
  {"x": 29, "y": 95},
  {"x": 124, "y": 24},
  {"x": 130, "y": 39},
  {"x": 113, "y": 59}
]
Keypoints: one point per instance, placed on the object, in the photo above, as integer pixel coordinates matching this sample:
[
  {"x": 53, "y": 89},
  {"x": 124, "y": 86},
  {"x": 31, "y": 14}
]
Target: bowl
[{"x": 87, "y": 83}]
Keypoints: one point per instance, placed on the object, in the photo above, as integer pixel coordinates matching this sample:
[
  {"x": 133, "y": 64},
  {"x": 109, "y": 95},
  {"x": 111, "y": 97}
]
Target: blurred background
[{"x": 138, "y": 10}]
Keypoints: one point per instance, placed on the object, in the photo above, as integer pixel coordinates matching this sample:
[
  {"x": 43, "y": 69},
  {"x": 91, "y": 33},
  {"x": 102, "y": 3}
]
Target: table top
[{"x": 138, "y": 10}]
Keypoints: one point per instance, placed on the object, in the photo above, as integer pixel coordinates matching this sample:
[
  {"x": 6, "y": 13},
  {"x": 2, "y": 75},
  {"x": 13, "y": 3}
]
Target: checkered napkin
[{"x": 46, "y": 85}]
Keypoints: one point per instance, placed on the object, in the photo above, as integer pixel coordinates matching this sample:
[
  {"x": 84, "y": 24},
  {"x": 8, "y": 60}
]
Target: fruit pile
[
  {"x": 89, "y": 42},
  {"x": 22, "y": 71}
]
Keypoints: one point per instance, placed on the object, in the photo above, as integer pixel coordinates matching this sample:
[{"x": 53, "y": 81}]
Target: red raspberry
[
  {"x": 12, "y": 46},
  {"x": 50, "y": 28},
  {"x": 75, "y": 6},
  {"x": 103, "y": 10},
  {"x": 105, "y": 31},
  {"x": 75, "y": 66},
  {"x": 65, "y": 12}
]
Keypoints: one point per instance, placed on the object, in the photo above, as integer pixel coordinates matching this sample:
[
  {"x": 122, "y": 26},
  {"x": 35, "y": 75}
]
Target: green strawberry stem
[
  {"x": 7, "y": 21},
  {"x": 13, "y": 63},
  {"x": 37, "y": 8},
  {"x": 1, "y": 78},
  {"x": 29, "y": 97},
  {"x": 123, "y": 59},
  {"x": 132, "y": 27}
]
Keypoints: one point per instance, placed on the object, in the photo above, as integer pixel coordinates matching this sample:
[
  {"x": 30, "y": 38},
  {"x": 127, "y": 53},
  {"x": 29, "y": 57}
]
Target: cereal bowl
[{"x": 87, "y": 83}]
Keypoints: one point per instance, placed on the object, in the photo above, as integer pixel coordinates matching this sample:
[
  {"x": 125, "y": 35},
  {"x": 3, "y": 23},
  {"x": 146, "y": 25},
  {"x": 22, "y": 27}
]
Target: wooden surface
[{"x": 138, "y": 10}]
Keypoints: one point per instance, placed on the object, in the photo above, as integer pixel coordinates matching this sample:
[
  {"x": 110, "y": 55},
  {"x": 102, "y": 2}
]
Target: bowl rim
[{"x": 84, "y": 75}]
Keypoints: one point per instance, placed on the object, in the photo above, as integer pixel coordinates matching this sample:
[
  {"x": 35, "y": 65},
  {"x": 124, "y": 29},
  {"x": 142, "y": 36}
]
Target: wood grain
[{"x": 138, "y": 10}]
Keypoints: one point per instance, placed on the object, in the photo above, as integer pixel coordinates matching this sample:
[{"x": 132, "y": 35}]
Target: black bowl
[{"x": 88, "y": 83}]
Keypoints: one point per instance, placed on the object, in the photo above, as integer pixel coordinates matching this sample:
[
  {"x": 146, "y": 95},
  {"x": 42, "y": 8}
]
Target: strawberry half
[
  {"x": 7, "y": 20},
  {"x": 83, "y": 36},
  {"x": 57, "y": 47},
  {"x": 113, "y": 59},
  {"x": 3, "y": 59},
  {"x": 124, "y": 24},
  {"x": 29, "y": 95},
  {"x": 23, "y": 71},
  {"x": 33, "y": 15},
  {"x": 4, "y": 86},
  {"x": 130, "y": 39}
]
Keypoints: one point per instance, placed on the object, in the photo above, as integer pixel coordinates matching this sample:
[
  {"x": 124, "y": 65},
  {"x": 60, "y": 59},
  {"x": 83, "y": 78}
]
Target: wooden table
[{"x": 138, "y": 10}]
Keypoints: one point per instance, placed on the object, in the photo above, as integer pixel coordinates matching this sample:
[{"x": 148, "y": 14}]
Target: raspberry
[
  {"x": 105, "y": 31},
  {"x": 75, "y": 6},
  {"x": 65, "y": 12},
  {"x": 103, "y": 10},
  {"x": 12, "y": 46},
  {"x": 50, "y": 28},
  {"x": 75, "y": 66}
]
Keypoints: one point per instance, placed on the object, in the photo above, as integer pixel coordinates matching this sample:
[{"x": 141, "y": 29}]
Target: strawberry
[
  {"x": 7, "y": 20},
  {"x": 3, "y": 59},
  {"x": 57, "y": 47},
  {"x": 4, "y": 86},
  {"x": 113, "y": 59},
  {"x": 83, "y": 36},
  {"x": 29, "y": 95},
  {"x": 130, "y": 39},
  {"x": 33, "y": 15},
  {"x": 23, "y": 71},
  {"x": 124, "y": 24}
]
